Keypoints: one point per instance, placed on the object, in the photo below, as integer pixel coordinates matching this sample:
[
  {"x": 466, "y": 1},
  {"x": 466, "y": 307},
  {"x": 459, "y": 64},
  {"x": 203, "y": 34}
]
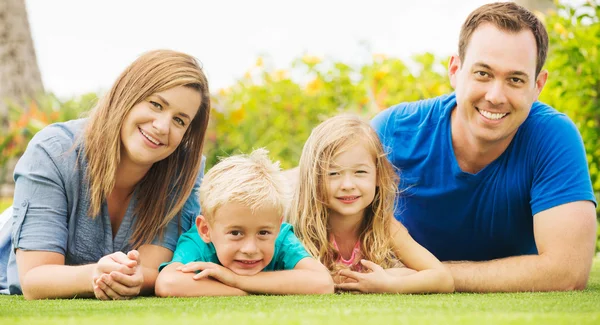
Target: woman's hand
[{"x": 118, "y": 276}]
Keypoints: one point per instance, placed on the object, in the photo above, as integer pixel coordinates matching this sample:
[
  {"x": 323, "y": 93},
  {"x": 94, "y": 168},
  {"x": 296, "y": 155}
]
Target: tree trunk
[{"x": 20, "y": 78}]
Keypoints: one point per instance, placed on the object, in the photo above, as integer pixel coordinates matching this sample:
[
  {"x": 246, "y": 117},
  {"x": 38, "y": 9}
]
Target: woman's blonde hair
[
  {"x": 163, "y": 191},
  {"x": 309, "y": 212}
]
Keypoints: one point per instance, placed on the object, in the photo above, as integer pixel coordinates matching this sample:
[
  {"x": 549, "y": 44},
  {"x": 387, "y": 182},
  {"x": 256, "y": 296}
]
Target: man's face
[
  {"x": 244, "y": 240},
  {"x": 495, "y": 85}
]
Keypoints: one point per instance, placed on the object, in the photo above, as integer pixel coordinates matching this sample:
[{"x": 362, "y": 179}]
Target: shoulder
[
  {"x": 545, "y": 126},
  {"x": 59, "y": 138},
  {"x": 410, "y": 115}
]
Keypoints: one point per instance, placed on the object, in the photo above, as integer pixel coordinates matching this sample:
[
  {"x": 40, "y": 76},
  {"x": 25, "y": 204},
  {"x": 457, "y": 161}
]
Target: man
[{"x": 495, "y": 183}]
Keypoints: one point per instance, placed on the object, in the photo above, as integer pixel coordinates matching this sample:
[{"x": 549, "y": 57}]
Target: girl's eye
[
  {"x": 157, "y": 105},
  {"x": 333, "y": 173},
  {"x": 179, "y": 121},
  {"x": 361, "y": 171}
]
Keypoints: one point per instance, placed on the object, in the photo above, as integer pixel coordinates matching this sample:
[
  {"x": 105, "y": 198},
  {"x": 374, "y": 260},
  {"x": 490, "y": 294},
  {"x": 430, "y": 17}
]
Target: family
[{"x": 485, "y": 189}]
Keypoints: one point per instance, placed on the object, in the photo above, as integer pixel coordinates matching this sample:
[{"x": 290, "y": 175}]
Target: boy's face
[{"x": 244, "y": 241}]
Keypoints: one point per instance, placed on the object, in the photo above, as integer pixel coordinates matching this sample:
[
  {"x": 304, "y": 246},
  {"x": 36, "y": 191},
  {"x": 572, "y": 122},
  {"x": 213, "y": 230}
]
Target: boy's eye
[
  {"x": 157, "y": 105},
  {"x": 235, "y": 233},
  {"x": 264, "y": 233}
]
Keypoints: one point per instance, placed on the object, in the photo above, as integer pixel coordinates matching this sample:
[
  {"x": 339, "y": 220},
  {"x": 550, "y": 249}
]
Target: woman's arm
[{"x": 44, "y": 275}]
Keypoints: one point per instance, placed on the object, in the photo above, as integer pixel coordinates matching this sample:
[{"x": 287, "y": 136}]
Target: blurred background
[{"x": 276, "y": 68}]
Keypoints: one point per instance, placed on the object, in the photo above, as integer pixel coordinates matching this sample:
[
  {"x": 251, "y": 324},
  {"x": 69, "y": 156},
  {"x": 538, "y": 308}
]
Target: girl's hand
[
  {"x": 376, "y": 280},
  {"x": 208, "y": 269},
  {"x": 118, "y": 276}
]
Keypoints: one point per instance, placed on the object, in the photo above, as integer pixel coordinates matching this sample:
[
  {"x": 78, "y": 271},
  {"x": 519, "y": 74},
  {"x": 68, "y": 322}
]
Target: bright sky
[{"x": 83, "y": 45}]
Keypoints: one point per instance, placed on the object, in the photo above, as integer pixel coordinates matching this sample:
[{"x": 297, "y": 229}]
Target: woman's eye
[
  {"x": 179, "y": 121},
  {"x": 157, "y": 105}
]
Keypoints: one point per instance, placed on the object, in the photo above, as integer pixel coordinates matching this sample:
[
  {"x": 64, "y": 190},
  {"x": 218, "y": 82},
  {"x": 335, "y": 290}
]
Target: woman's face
[{"x": 154, "y": 128}]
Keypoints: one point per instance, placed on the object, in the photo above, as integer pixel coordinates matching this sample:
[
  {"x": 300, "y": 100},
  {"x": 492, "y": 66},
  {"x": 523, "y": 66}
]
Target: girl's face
[
  {"x": 154, "y": 128},
  {"x": 352, "y": 179}
]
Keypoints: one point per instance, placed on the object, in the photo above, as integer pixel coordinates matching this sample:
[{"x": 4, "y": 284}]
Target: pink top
[{"x": 354, "y": 261}]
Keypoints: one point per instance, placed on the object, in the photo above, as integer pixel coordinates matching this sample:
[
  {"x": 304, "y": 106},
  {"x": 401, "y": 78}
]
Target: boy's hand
[
  {"x": 208, "y": 269},
  {"x": 374, "y": 281}
]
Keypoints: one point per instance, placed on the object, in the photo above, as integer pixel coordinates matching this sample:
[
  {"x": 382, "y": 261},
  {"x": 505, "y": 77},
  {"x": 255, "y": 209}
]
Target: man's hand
[
  {"x": 208, "y": 269},
  {"x": 374, "y": 281},
  {"x": 118, "y": 276}
]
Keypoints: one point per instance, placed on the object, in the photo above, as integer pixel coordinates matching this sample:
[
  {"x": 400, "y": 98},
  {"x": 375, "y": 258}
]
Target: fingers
[
  {"x": 119, "y": 288},
  {"x": 99, "y": 293},
  {"x": 371, "y": 266},
  {"x": 134, "y": 255},
  {"x": 195, "y": 266},
  {"x": 204, "y": 274},
  {"x": 121, "y": 258},
  {"x": 107, "y": 289},
  {"x": 356, "y": 276},
  {"x": 135, "y": 280}
]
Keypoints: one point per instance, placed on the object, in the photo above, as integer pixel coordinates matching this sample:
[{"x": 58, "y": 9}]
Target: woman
[{"x": 100, "y": 202}]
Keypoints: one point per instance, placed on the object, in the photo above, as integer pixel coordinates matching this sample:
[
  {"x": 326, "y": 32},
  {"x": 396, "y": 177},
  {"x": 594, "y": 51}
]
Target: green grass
[{"x": 582, "y": 307}]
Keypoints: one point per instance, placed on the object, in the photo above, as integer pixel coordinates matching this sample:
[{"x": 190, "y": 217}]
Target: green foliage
[
  {"x": 573, "y": 63},
  {"x": 23, "y": 124},
  {"x": 267, "y": 108}
]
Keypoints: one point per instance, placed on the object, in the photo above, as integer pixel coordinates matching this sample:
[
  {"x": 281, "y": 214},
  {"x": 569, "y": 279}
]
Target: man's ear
[
  {"x": 203, "y": 228},
  {"x": 453, "y": 67}
]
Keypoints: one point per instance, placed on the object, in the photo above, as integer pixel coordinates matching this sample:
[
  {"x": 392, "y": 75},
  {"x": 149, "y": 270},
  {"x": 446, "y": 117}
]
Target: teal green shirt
[{"x": 288, "y": 250}]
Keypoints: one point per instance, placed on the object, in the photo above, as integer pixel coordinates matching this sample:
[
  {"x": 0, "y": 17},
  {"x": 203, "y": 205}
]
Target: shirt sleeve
[
  {"x": 291, "y": 250},
  {"x": 189, "y": 212},
  {"x": 189, "y": 249},
  {"x": 561, "y": 172},
  {"x": 40, "y": 202},
  {"x": 382, "y": 124}
]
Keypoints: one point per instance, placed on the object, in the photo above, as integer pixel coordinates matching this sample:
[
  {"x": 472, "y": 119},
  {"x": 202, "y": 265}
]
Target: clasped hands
[{"x": 118, "y": 276}]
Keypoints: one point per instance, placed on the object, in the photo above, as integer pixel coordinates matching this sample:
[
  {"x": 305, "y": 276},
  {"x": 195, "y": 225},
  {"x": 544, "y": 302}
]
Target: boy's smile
[{"x": 244, "y": 240}]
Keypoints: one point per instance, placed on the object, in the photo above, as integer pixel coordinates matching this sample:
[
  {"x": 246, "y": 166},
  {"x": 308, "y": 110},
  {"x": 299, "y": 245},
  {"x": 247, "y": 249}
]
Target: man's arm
[
  {"x": 174, "y": 283},
  {"x": 565, "y": 237}
]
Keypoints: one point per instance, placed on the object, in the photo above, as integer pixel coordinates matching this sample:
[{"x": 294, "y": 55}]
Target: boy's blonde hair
[
  {"x": 309, "y": 212},
  {"x": 252, "y": 180}
]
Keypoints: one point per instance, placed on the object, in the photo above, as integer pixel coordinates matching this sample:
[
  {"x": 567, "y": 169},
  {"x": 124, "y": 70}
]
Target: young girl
[{"x": 343, "y": 212}]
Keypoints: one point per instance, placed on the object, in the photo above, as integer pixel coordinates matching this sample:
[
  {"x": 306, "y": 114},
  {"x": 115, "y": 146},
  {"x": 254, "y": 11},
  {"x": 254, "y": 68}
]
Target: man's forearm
[{"x": 520, "y": 273}]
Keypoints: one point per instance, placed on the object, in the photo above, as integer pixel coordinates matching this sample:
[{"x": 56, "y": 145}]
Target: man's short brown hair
[{"x": 509, "y": 17}]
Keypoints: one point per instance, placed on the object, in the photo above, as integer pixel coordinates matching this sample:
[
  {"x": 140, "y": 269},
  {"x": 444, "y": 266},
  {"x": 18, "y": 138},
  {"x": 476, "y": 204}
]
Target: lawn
[{"x": 554, "y": 307}]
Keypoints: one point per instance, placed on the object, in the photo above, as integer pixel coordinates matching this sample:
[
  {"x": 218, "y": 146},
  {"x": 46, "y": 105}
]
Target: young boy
[{"x": 239, "y": 236}]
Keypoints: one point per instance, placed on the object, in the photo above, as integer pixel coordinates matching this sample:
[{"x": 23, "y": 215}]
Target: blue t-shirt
[
  {"x": 288, "y": 250},
  {"x": 51, "y": 207},
  {"x": 462, "y": 216}
]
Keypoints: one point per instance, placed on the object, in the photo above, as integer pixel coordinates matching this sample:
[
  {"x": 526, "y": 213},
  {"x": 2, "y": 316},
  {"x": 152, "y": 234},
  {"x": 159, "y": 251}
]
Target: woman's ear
[{"x": 203, "y": 228}]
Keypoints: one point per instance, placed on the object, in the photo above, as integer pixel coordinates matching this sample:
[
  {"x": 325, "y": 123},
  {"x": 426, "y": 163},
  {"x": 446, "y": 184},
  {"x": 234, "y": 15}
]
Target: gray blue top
[
  {"x": 51, "y": 202},
  {"x": 288, "y": 250}
]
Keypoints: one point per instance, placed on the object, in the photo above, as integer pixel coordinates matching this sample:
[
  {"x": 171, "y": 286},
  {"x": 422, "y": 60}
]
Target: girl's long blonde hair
[
  {"x": 309, "y": 212},
  {"x": 163, "y": 191}
]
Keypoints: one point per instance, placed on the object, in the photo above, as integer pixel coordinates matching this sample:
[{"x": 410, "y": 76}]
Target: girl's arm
[
  {"x": 173, "y": 283},
  {"x": 307, "y": 277},
  {"x": 428, "y": 274}
]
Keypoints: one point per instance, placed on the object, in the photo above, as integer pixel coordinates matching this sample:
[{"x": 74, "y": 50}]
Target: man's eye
[
  {"x": 517, "y": 80},
  {"x": 481, "y": 73}
]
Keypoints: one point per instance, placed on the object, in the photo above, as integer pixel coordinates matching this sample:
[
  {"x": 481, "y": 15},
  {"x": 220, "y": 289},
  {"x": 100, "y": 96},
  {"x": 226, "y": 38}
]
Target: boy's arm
[
  {"x": 307, "y": 277},
  {"x": 174, "y": 283}
]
